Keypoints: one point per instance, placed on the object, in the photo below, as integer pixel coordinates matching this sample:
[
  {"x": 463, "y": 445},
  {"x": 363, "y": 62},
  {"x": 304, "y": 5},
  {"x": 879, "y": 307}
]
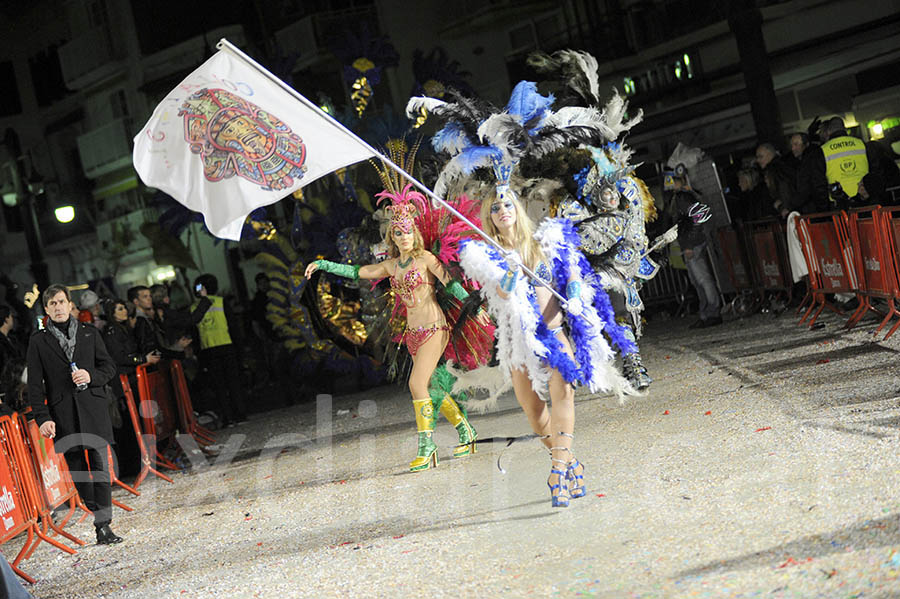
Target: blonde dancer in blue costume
[
  {"x": 541, "y": 343},
  {"x": 532, "y": 341}
]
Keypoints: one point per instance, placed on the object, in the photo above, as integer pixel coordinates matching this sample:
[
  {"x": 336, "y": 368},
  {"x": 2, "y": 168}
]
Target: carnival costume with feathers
[
  {"x": 613, "y": 205},
  {"x": 470, "y": 341},
  {"x": 500, "y": 139}
]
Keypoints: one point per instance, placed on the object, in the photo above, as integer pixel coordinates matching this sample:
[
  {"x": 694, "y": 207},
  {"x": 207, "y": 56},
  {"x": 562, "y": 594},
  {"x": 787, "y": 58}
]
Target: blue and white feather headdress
[{"x": 477, "y": 135}]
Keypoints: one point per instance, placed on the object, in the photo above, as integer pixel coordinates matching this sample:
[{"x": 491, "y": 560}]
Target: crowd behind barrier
[
  {"x": 36, "y": 485},
  {"x": 854, "y": 251}
]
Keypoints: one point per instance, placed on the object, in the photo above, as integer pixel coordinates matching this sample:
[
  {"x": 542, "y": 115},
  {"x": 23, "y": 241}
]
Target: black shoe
[
  {"x": 711, "y": 322},
  {"x": 105, "y": 536},
  {"x": 697, "y": 324}
]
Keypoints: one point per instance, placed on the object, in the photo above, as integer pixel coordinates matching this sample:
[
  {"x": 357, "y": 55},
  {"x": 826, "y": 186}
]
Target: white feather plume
[
  {"x": 614, "y": 115},
  {"x": 586, "y": 66},
  {"x": 416, "y": 103},
  {"x": 492, "y": 379}
]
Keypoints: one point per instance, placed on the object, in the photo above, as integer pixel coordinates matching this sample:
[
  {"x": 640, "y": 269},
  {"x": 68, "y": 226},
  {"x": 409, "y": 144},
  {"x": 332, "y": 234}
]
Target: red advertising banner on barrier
[
  {"x": 826, "y": 247},
  {"x": 52, "y": 474},
  {"x": 768, "y": 265},
  {"x": 12, "y": 513},
  {"x": 57, "y": 489},
  {"x": 870, "y": 254},
  {"x": 19, "y": 493},
  {"x": 732, "y": 251}
]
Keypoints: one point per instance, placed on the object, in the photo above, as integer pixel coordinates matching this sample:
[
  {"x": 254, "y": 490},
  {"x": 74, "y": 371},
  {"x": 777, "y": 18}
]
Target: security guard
[
  {"x": 217, "y": 357},
  {"x": 845, "y": 160}
]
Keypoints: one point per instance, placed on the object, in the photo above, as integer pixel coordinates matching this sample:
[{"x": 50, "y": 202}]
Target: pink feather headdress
[{"x": 404, "y": 208}]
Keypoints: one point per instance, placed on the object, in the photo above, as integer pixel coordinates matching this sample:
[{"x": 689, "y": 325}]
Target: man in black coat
[{"x": 68, "y": 365}]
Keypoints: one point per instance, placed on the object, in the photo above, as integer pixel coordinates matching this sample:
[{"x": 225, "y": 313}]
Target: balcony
[
  {"x": 476, "y": 16},
  {"x": 310, "y": 37},
  {"x": 106, "y": 148},
  {"x": 163, "y": 70},
  {"x": 90, "y": 58},
  {"x": 122, "y": 235}
]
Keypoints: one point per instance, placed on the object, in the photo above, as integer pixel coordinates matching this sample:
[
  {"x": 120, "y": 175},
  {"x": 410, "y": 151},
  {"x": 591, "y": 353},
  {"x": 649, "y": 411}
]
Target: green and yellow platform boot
[
  {"x": 427, "y": 455},
  {"x": 467, "y": 434}
]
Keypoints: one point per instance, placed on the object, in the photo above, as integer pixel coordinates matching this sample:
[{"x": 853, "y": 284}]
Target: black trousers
[
  {"x": 222, "y": 370},
  {"x": 92, "y": 482}
]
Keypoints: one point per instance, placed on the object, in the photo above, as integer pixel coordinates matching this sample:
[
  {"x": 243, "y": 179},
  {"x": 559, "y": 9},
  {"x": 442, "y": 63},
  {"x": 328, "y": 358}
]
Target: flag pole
[{"x": 224, "y": 44}]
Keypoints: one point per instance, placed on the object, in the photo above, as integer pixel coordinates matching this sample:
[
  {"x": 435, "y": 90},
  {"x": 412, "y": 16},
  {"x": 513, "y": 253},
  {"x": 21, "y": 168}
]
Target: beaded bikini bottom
[{"x": 417, "y": 337}]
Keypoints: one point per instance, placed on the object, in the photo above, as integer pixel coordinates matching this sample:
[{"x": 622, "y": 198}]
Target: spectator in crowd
[
  {"x": 12, "y": 387},
  {"x": 74, "y": 312},
  {"x": 123, "y": 349},
  {"x": 693, "y": 241},
  {"x": 89, "y": 303},
  {"x": 217, "y": 356},
  {"x": 144, "y": 333},
  {"x": 871, "y": 191},
  {"x": 10, "y": 350},
  {"x": 24, "y": 317},
  {"x": 754, "y": 201},
  {"x": 68, "y": 366},
  {"x": 779, "y": 176},
  {"x": 811, "y": 186},
  {"x": 173, "y": 327},
  {"x": 883, "y": 164}
]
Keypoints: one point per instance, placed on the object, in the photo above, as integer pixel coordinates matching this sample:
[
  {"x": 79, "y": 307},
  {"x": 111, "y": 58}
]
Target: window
[
  {"x": 10, "y": 103},
  {"x": 47, "y": 76},
  {"x": 119, "y": 102}
]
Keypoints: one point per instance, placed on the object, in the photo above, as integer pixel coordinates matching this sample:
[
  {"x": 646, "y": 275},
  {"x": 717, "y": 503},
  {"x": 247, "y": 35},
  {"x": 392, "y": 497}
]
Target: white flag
[{"x": 228, "y": 140}]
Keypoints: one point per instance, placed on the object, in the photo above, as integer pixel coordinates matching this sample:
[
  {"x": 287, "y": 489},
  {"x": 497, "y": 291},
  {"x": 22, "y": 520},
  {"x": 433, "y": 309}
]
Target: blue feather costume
[{"x": 523, "y": 339}]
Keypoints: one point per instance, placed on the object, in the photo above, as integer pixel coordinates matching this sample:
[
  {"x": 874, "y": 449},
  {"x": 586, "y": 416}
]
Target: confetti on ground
[
  {"x": 792, "y": 562},
  {"x": 707, "y": 413},
  {"x": 765, "y": 428},
  {"x": 666, "y": 413}
]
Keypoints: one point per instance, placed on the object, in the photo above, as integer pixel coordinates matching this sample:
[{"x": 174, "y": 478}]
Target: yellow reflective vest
[
  {"x": 213, "y": 328},
  {"x": 845, "y": 162}
]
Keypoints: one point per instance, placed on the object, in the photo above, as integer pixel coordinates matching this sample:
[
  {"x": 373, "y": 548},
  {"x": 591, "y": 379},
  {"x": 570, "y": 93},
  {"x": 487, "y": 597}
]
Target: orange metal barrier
[
  {"x": 890, "y": 221},
  {"x": 186, "y": 408},
  {"x": 14, "y": 517},
  {"x": 736, "y": 262},
  {"x": 21, "y": 502},
  {"x": 767, "y": 242},
  {"x": 825, "y": 257},
  {"x": 158, "y": 409},
  {"x": 146, "y": 460},
  {"x": 868, "y": 238},
  {"x": 52, "y": 478}
]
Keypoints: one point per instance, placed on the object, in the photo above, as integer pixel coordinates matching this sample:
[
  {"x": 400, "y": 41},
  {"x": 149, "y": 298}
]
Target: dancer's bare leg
[
  {"x": 424, "y": 363},
  {"x": 562, "y": 393},
  {"x": 535, "y": 409}
]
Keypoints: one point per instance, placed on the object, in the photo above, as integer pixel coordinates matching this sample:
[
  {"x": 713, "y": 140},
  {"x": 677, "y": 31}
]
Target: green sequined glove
[
  {"x": 455, "y": 289},
  {"x": 348, "y": 271}
]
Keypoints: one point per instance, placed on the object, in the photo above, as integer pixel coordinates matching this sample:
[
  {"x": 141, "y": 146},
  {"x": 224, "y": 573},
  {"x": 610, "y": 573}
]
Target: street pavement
[{"x": 763, "y": 462}]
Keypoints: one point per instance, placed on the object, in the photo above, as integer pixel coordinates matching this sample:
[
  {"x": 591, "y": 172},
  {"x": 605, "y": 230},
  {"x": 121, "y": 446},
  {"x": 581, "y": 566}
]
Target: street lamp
[{"x": 64, "y": 214}]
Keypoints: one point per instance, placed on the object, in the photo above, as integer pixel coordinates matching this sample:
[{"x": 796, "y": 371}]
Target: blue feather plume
[
  {"x": 477, "y": 156},
  {"x": 528, "y": 105}
]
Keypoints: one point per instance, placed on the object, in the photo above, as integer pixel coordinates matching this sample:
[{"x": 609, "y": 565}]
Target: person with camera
[
  {"x": 217, "y": 356},
  {"x": 68, "y": 366}
]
